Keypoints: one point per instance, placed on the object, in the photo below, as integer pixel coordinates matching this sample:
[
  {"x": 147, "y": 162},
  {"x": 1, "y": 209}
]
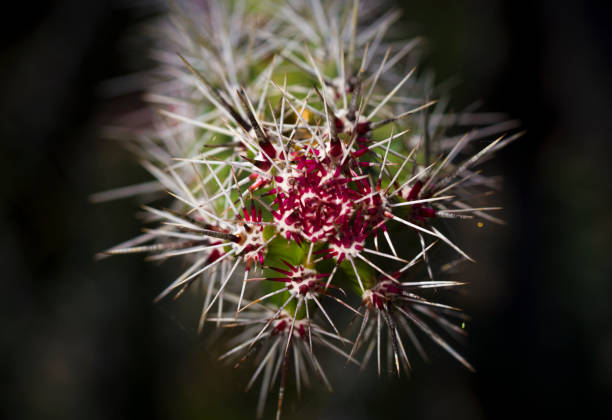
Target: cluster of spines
[{"x": 309, "y": 172}]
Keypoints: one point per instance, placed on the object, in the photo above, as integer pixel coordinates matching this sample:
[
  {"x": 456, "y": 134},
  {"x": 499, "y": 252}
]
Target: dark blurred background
[{"x": 81, "y": 339}]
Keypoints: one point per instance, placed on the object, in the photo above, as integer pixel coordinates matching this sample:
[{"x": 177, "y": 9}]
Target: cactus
[{"x": 308, "y": 173}]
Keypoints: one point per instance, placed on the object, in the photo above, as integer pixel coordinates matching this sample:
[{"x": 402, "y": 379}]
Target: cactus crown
[{"x": 308, "y": 172}]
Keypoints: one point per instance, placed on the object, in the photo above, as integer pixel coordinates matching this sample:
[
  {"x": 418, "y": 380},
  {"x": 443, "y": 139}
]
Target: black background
[{"x": 81, "y": 339}]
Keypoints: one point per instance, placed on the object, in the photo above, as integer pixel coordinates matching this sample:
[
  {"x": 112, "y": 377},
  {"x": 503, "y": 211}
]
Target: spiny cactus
[{"x": 308, "y": 173}]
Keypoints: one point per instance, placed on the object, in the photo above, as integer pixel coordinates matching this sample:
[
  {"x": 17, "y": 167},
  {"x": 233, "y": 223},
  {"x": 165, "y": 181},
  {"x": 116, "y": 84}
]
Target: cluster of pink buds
[{"x": 308, "y": 178}]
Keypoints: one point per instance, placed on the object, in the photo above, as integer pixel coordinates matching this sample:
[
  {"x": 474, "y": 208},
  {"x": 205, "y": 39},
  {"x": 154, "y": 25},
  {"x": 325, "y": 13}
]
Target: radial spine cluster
[{"x": 305, "y": 175}]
